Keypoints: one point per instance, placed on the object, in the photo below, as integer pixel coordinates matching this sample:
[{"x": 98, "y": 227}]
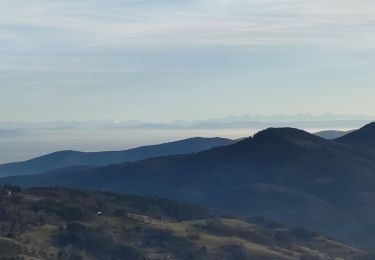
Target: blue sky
[{"x": 167, "y": 60}]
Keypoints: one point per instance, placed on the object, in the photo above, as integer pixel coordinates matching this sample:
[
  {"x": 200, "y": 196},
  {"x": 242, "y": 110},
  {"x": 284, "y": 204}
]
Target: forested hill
[{"x": 56, "y": 223}]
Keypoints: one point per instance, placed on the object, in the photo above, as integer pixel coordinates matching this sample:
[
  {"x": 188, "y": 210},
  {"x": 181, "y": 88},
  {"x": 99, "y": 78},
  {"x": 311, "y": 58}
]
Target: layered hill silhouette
[
  {"x": 284, "y": 174},
  {"x": 65, "y": 159},
  {"x": 331, "y": 134}
]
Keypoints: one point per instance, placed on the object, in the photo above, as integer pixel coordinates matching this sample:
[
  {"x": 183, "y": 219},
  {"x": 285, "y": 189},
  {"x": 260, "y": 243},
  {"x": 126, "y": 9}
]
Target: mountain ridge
[
  {"x": 285, "y": 174},
  {"x": 68, "y": 158}
]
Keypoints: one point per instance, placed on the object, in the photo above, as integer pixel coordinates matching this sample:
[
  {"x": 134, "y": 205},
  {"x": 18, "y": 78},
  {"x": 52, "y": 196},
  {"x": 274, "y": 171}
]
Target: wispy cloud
[
  {"x": 181, "y": 24},
  {"x": 151, "y": 59}
]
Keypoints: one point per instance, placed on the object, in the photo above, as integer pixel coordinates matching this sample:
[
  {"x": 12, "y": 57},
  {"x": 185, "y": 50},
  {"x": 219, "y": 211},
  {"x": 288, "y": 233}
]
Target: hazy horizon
[
  {"x": 275, "y": 117},
  {"x": 22, "y": 141}
]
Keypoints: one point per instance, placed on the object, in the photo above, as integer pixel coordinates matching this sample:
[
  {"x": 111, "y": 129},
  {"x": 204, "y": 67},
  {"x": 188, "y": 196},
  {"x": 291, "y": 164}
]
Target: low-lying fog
[
  {"x": 26, "y": 144},
  {"x": 22, "y": 144}
]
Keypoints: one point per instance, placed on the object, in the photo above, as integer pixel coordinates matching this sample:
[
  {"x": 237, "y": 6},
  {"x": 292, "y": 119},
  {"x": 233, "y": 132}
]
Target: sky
[{"x": 184, "y": 59}]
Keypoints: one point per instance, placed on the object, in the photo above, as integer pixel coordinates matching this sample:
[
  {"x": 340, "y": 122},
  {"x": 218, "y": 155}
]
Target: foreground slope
[
  {"x": 65, "y": 159},
  {"x": 364, "y": 136},
  {"x": 54, "y": 223},
  {"x": 282, "y": 173}
]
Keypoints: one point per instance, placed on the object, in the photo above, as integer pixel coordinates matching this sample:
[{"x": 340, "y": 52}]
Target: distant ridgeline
[
  {"x": 57, "y": 223},
  {"x": 284, "y": 174},
  {"x": 65, "y": 159}
]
